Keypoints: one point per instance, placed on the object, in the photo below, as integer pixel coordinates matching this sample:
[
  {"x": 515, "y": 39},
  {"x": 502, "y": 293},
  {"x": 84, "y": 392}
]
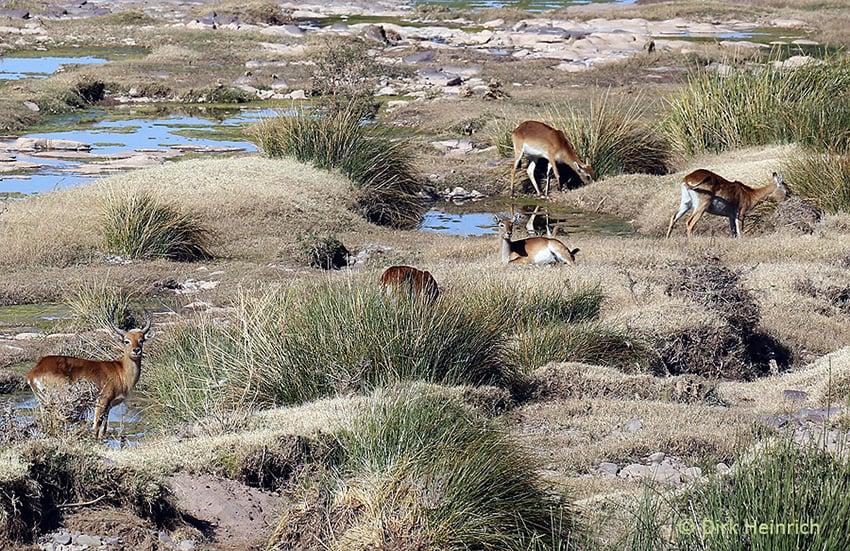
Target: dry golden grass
[
  {"x": 205, "y": 454},
  {"x": 255, "y": 208},
  {"x": 573, "y": 436},
  {"x": 825, "y": 382}
]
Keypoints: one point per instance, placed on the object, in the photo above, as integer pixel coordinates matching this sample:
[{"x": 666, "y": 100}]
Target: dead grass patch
[
  {"x": 577, "y": 380},
  {"x": 825, "y": 382},
  {"x": 573, "y": 435},
  {"x": 63, "y": 410},
  {"x": 53, "y": 475},
  {"x": 135, "y": 532},
  {"x": 284, "y": 199},
  {"x": 738, "y": 349},
  {"x": 11, "y": 381}
]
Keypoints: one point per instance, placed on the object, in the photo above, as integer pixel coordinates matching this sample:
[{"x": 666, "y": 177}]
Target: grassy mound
[
  {"x": 418, "y": 471},
  {"x": 380, "y": 166},
  {"x": 763, "y": 105},
  {"x": 139, "y": 226},
  {"x": 293, "y": 346},
  {"x": 237, "y": 198}
]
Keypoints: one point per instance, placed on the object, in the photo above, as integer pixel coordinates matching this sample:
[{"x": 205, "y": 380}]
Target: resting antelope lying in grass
[
  {"x": 409, "y": 282},
  {"x": 541, "y": 141},
  {"x": 114, "y": 379},
  {"x": 704, "y": 191},
  {"x": 532, "y": 250}
]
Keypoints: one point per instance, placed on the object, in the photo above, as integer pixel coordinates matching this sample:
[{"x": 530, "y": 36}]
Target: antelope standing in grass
[
  {"x": 533, "y": 250},
  {"x": 704, "y": 191},
  {"x": 409, "y": 282},
  {"x": 114, "y": 379},
  {"x": 540, "y": 141}
]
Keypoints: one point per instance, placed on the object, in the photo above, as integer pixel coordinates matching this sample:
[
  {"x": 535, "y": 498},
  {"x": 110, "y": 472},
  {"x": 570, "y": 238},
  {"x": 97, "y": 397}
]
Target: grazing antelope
[
  {"x": 541, "y": 141},
  {"x": 114, "y": 379},
  {"x": 533, "y": 250},
  {"x": 411, "y": 282},
  {"x": 704, "y": 191}
]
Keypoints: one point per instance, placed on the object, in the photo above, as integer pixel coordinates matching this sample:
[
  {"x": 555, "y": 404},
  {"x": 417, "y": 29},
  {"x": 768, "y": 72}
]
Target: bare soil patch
[{"x": 230, "y": 514}]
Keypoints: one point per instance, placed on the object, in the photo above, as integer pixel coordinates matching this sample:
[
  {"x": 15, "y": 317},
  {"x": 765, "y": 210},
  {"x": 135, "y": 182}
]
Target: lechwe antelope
[
  {"x": 540, "y": 141},
  {"x": 704, "y": 191},
  {"x": 410, "y": 282},
  {"x": 114, "y": 379},
  {"x": 532, "y": 250}
]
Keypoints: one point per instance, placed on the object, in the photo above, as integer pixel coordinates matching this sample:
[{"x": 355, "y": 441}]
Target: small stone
[
  {"x": 608, "y": 468},
  {"x": 666, "y": 474},
  {"x": 722, "y": 469},
  {"x": 691, "y": 473},
  {"x": 656, "y": 457},
  {"x": 632, "y": 425},
  {"x": 84, "y": 539},
  {"x": 635, "y": 471},
  {"x": 165, "y": 538},
  {"x": 186, "y": 545},
  {"x": 62, "y": 539},
  {"x": 28, "y": 336}
]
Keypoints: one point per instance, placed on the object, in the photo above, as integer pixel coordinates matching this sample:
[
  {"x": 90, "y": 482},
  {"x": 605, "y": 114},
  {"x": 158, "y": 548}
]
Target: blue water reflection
[
  {"x": 14, "y": 68},
  {"x": 110, "y": 137}
]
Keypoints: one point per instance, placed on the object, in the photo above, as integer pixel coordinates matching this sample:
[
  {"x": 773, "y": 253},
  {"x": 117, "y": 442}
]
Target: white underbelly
[
  {"x": 543, "y": 256},
  {"x": 533, "y": 151}
]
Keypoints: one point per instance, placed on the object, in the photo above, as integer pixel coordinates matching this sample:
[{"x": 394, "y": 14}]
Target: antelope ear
[
  {"x": 515, "y": 219},
  {"x": 149, "y": 335},
  {"x": 777, "y": 177}
]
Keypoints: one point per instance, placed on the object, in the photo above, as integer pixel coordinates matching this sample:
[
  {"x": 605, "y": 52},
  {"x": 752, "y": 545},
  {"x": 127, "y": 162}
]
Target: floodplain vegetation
[{"x": 478, "y": 421}]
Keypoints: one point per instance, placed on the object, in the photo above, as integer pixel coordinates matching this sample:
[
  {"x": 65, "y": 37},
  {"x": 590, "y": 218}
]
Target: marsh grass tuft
[
  {"x": 93, "y": 302},
  {"x": 613, "y": 138},
  {"x": 428, "y": 471},
  {"x": 380, "y": 166},
  {"x": 546, "y": 305},
  {"x": 786, "y": 486},
  {"x": 63, "y": 410},
  {"x": 822, "y": 178},
  {"x": 588, "y": 342},
  {"x": 294, "y": 345},
  {"x": 139, "y": 226},
  {"x": 719, "y": 111}
]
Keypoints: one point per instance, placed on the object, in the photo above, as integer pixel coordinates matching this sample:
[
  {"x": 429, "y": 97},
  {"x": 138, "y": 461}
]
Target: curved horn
[
  {"x": 112, "y": 326},
  {"x": 147, "y": 326}
]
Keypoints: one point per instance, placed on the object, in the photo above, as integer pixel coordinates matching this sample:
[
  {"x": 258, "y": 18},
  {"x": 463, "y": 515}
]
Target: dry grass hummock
[
  {"x": 417, "y": 471},
  {"x": 821, "y": 178},
  {"x": 236, "y": 198},
  {"x": 380, "y": 166},
  {"x": 763, "y": 105},
  {"x": 139, "y": 226},
  {"x": 737, "y": 349}
]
